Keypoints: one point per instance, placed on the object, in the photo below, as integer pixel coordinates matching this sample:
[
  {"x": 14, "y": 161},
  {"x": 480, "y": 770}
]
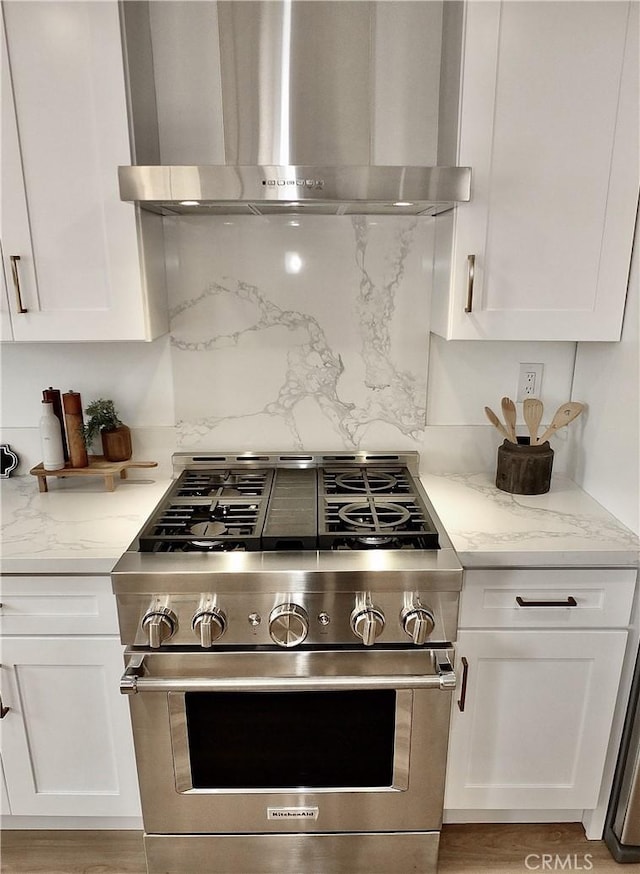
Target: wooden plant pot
[{"x": 116, "y": 444}]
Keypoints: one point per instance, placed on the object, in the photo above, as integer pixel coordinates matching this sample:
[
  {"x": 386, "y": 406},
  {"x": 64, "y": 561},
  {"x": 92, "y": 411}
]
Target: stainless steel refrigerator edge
[{"x": 622, "y": 828}]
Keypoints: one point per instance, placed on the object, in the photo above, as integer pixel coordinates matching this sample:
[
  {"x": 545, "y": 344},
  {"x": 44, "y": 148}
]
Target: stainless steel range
[{"x": 289, "y": 623}]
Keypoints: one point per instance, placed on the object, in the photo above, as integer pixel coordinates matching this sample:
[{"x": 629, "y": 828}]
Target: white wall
[{"x": 606, "y": 461}]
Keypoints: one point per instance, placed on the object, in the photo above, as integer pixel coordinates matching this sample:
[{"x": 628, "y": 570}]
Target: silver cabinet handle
[
  {"x": 16, "y": 282},
  {"x": 471, "y": 272}
]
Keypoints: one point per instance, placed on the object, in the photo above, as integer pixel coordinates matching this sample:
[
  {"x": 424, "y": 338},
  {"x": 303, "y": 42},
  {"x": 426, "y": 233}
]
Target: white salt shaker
[{"x": 51, "y": 438}]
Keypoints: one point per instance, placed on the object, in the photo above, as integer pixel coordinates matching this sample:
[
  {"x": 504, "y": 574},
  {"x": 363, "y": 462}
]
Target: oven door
[{"x": 304, "y": 741}]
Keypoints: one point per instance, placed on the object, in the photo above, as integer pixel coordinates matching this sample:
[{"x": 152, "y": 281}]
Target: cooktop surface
[{"x": 334, "y": 507}]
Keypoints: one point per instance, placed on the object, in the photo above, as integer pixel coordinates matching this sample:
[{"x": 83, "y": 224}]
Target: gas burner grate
[
  {"x": 365, "y": 481},
  {"x": 223, "y": 483},
  {"x": 212, "y": 526},
  {"x": 376, "y": 523}
]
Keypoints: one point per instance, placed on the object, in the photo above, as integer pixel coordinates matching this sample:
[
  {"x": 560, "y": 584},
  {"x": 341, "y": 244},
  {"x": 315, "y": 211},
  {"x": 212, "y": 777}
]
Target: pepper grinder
[{"x": 72, "y": 403}]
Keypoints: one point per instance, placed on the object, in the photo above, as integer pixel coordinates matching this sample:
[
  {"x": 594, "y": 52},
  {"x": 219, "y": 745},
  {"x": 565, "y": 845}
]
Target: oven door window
[{"x": 269, "y": 741}]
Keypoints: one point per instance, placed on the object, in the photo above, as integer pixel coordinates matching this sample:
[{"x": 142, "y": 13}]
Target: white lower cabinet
[
  {"x": 537, "y": 714},
  {"x": 533, "y": 711},
  {"x": 66, "y": 739}
]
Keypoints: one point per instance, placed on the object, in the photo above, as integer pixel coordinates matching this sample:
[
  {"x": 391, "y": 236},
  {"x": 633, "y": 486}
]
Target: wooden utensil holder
[{"x": 523, "y": 469}]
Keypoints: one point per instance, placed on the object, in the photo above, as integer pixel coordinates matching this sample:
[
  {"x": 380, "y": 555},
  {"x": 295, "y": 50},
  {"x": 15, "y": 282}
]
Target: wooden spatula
[
  {"x": 563, "y": 415},
  {"x": 532, "y": 412},
  {"x": 509, "y": 413},
  {"x": 495, "y": 421}
]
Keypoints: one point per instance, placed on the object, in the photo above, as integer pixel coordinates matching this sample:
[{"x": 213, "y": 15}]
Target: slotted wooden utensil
[
  {"x": 495, "y": 421},
  {"x": 564, "y": 414},
  {"x": 532, "y": 411},
  {"x": 509, "y": 413}
]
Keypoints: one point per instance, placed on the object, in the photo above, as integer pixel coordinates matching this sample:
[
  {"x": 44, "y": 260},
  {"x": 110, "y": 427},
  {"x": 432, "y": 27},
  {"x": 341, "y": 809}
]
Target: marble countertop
[
  {"x": 79, "y": 527},
  {"x": 565, "y": 527},
  {"x": 75, "y": 527}
]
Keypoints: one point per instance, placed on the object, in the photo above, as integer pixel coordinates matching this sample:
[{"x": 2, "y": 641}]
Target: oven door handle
[{"x": 133, "y": 682}]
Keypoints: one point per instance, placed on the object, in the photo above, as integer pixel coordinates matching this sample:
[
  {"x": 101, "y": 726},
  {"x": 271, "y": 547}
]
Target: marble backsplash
[{"x": 306, "y": 332}]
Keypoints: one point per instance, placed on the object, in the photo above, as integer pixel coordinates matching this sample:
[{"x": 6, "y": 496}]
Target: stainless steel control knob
[
  {"x": 288, "y": 625},
  {"x": 367, "y": 623},
  {"x": 418, "y": 622},
  {"x": 160, "y": 624},
  {"x": 209, "y": 625}
]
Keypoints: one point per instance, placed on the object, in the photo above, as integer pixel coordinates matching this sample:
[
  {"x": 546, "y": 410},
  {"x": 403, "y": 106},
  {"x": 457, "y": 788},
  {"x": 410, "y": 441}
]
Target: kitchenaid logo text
[
  {"x": 555, "y": 862},
  {"x": 292, "y": 812},
  {"x": 317, "y": 184}
]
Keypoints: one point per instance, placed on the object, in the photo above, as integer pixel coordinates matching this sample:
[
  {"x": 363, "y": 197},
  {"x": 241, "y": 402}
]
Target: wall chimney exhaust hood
[{"x": 265, "y": 107}]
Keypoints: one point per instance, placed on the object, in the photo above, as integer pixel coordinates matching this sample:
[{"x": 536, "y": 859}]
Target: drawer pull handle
[
  {"x": 471, "y": 271},
  {"x": 16, "y": 282},
  {"x": 3, "y": 710},
  {"x": 463, "y": 691},
  {"x": 568, "y": 602}
]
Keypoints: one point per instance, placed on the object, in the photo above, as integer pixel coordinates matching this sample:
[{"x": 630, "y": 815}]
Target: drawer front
[
  {"x": 554, "y": 598},
  {"x": 57, "y": 605}
]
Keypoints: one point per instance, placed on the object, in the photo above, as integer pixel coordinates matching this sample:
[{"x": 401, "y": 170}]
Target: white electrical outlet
[{"x": 529, "y": 381}]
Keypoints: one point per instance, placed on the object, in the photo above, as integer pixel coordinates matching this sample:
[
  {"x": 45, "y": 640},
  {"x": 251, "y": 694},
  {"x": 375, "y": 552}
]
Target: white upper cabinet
[
  {"x": 76, "y": 256},
  {"x": 549, "y": 125}
]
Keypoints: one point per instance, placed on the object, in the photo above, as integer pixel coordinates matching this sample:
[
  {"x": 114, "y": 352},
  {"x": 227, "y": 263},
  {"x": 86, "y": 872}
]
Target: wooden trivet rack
[{"x": 98, "y": 466}]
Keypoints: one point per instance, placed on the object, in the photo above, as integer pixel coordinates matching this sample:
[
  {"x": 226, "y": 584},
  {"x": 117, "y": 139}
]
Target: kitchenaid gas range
[{"x": 289, "y": 622}]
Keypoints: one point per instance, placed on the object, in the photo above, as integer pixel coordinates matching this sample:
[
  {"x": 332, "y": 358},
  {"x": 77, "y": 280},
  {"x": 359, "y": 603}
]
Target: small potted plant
[{"x": 115, "y": 435}]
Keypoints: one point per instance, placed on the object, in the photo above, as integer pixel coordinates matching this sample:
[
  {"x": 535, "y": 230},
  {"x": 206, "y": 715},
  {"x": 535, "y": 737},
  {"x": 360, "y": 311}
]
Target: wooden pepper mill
[{"x": 72, "y": 403}]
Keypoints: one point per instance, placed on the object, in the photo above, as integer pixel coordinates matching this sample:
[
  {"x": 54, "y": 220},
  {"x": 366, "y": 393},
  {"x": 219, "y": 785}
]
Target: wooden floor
[{"x": 464, "y": 849}]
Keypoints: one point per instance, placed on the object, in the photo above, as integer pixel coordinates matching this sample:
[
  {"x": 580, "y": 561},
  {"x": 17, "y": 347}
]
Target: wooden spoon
[
  {"x": 563, "y": 415},
  {"x": 495, "y": 421},
  {"x": 532, "y": 412},
  {"x": 509, "y": 413}
]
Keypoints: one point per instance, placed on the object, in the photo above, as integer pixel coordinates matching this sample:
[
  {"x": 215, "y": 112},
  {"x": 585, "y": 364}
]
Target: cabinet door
[
  {"x": 5, "y": 807},
  {"x": 66, "y": 741},
  {"x": 549, "y": 125},
  {"x": 5, "y": 318},
  {"x": 536, "y": 720},
  {"x": 64, "y": 133}
]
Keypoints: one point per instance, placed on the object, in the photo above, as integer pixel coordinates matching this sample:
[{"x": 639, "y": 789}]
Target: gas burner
[
  {"x": 361, "y": 481},
  {"x": 374, "y": 515},
  {"x": 218, "y": 525},
  {"x": 224, "y": 483},
  {"x": 364, "y": 481},
  {"x": 207, "y": 532},
  {"x": 373, "y": 541}
]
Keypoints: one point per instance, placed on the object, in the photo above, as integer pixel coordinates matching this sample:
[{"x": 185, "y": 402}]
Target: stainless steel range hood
[{"x": 279, "y": 106}]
